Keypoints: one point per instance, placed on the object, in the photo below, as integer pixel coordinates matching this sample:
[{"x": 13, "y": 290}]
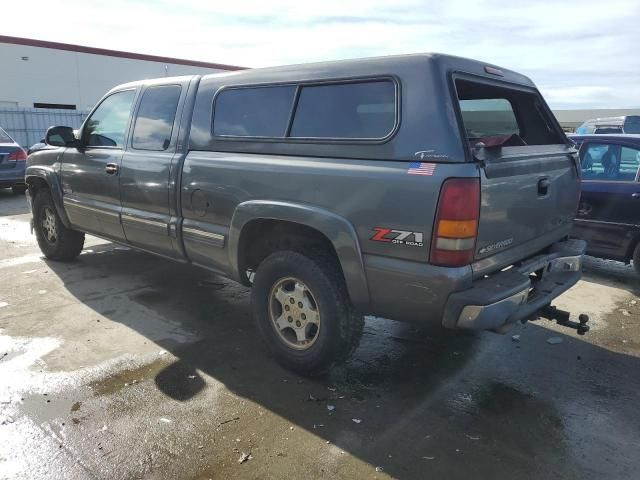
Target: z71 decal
[{"x": 397, "y": 237}]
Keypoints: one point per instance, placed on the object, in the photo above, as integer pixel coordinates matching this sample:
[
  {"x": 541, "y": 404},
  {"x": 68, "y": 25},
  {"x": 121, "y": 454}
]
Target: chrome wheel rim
[
  {"x": 294, "y": 313},
  {"x": 49, "y": 225}
]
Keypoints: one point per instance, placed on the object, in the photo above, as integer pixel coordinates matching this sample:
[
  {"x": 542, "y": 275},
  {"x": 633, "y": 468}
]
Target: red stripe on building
[{"x": 113, "y": 53}]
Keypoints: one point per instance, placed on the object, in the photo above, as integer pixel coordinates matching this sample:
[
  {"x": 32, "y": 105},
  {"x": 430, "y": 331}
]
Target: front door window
[{"x": 107, "y": 125}]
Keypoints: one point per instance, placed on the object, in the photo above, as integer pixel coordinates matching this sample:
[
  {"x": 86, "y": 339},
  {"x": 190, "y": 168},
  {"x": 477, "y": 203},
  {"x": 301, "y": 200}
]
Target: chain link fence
[{"x": 28, "y": 125}]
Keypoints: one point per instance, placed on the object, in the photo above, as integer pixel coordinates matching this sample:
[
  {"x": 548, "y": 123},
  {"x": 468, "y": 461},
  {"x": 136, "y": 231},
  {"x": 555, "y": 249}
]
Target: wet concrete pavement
[{"x": 123, "y": 365}]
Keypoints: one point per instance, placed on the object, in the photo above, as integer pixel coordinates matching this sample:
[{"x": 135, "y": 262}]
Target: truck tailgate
[
  {"x": 529, "y": 173},
  {"x": 527, "y": 193}
]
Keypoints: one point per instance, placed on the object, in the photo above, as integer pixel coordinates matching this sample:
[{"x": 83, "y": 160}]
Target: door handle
[
  {"x": 111, "y": 168},
  {"x": 635, "y": 195},
  {"x": 543, "y": 186}
]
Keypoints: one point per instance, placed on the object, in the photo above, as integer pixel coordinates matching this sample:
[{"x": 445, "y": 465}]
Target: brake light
[
  {"x": 456, "y": 227},
  {"x": 17, "y": 156}
]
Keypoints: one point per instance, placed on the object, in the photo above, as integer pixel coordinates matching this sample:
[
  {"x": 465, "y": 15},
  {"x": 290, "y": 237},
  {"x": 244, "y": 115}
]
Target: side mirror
[{"x": 60, "y": 137}]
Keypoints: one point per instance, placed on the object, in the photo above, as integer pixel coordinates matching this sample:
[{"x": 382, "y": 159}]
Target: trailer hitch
[{"x": 562, "y": 318}]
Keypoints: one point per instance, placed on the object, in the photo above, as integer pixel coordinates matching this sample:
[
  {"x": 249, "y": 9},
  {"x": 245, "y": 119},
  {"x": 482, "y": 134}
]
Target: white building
[
  {"x": 39, "y": 74},
  {"x": 50, "y": 75}
]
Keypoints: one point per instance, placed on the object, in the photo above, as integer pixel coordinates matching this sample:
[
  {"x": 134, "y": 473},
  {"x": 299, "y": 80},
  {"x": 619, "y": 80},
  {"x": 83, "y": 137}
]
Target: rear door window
[
  {"x": 609, "y": 162},
  {"x": 253, "y": 111},
  {"x": 155, "y": 118},
  {"x": 362, "y": 110}
]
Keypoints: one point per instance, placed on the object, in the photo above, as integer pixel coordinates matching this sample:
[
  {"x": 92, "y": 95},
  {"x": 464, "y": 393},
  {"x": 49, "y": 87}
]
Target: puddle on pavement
[
  {"x": 44, "y": 408},
  {"x": 392, "y": 353},
  {"x": 125, "y": 378},
  {"x": 516, "y": 411},
  {"x": 149, "y": 296}
]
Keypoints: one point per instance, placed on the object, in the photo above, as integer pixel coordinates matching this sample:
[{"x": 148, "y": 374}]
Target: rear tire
[
  {"x": 19, "y": 189},
  {"x": 56, "y": 241},
  {"x": 313, "y": 291}
]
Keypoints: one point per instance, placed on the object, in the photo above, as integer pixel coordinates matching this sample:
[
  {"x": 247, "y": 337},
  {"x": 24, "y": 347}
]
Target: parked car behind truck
[
  {"x": 629, "y": 124},
  {"x": 334, "y": 190},
  {"x": 12, "y": 164},
  {"x": 609, "y": 212}
]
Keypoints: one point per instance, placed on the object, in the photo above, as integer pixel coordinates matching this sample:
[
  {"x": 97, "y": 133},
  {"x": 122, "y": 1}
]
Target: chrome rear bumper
[{"x": 517, "y": 294}]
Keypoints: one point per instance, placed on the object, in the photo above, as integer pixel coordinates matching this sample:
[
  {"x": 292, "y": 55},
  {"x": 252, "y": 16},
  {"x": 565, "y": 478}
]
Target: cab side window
[
  {"x": 107, "y": 126},
  {"x": 154, "y": 122},
  {"x": 610, "y": 162}
]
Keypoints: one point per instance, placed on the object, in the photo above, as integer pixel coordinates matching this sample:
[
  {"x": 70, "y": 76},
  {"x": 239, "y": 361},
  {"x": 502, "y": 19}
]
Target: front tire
[
  {"x": 303, "y": 312},
  {"x": 56, "y": 241}
]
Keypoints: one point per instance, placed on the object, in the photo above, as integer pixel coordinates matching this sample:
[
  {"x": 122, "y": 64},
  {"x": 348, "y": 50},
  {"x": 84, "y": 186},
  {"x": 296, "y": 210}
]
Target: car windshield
[
  {"x": 604, "y": 130},
  {"x": 632, "y": 125},
  {"x": 4, "y": 137}
]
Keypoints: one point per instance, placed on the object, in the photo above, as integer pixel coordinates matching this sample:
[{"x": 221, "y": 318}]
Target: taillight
[
  {"x": 454, "y": 232},
  {"x": 17, "y": 156}
]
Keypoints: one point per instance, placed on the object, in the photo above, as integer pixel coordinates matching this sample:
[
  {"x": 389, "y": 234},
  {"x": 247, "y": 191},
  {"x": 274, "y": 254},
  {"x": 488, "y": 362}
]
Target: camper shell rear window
[{"x": 497, "y": 114}]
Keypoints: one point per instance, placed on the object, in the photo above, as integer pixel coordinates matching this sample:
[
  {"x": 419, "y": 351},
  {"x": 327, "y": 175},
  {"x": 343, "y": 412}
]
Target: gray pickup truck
[{"x": 422, "y": 188}]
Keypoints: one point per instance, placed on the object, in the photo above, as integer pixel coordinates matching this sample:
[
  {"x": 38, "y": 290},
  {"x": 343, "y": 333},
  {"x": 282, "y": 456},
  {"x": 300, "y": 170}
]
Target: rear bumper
[
  {"x": 12, "y": 176},
  {"x": 10, "y": 182},
  {"x": 499, "y": 301}
]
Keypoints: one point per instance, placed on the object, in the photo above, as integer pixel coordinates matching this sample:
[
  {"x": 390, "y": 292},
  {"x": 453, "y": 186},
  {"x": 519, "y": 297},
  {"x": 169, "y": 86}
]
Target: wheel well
[
  {"x": 632, "y": 247},
  {"x": 260, "y": 238},
  {"x": 34, "y": 184}
]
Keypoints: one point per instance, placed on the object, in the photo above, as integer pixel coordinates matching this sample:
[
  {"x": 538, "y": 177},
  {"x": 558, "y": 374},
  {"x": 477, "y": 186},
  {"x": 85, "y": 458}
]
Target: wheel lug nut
[
  {"x": 303, "y": 316},
  {"x": 286, "y": 307},
  {"x": 298, "y": 323},
  {"x": 300, "y": 304},
  {"x": 291, "y": 300},
  {"x": 290, "y": 319}
]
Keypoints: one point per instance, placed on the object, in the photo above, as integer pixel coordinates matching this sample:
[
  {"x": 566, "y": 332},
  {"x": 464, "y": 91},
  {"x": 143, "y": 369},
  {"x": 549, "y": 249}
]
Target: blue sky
[{"x": 581, "y": 54}]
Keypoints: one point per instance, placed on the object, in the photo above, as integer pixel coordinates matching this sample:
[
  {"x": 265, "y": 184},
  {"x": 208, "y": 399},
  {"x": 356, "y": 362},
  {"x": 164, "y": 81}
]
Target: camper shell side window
[{"x": 351, "y": 110}]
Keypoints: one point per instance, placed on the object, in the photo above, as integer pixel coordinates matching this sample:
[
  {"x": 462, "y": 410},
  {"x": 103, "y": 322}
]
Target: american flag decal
[{"x": 421, "y": 168}]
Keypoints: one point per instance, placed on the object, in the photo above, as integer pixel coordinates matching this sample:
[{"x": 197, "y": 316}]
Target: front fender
[
  {"x": 47, "y": 174},
  {"x": 337, "y": 229}
]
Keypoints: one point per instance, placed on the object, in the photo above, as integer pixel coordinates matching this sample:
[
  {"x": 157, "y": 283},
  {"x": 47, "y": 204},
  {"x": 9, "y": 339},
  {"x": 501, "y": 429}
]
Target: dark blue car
[
  {"x": 12, "y": 164},
  {"x": 609, "y": 211}
]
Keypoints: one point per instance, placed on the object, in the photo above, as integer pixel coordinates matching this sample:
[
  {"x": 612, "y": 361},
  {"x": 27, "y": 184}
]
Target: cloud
[{"x": 580, "y": 54}]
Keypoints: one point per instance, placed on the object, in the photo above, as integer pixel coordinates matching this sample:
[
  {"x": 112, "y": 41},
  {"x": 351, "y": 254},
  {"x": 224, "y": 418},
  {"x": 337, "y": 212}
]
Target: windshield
[
  {"x": 632, "y": 125},
  {"x": 604, "y": 130}
]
